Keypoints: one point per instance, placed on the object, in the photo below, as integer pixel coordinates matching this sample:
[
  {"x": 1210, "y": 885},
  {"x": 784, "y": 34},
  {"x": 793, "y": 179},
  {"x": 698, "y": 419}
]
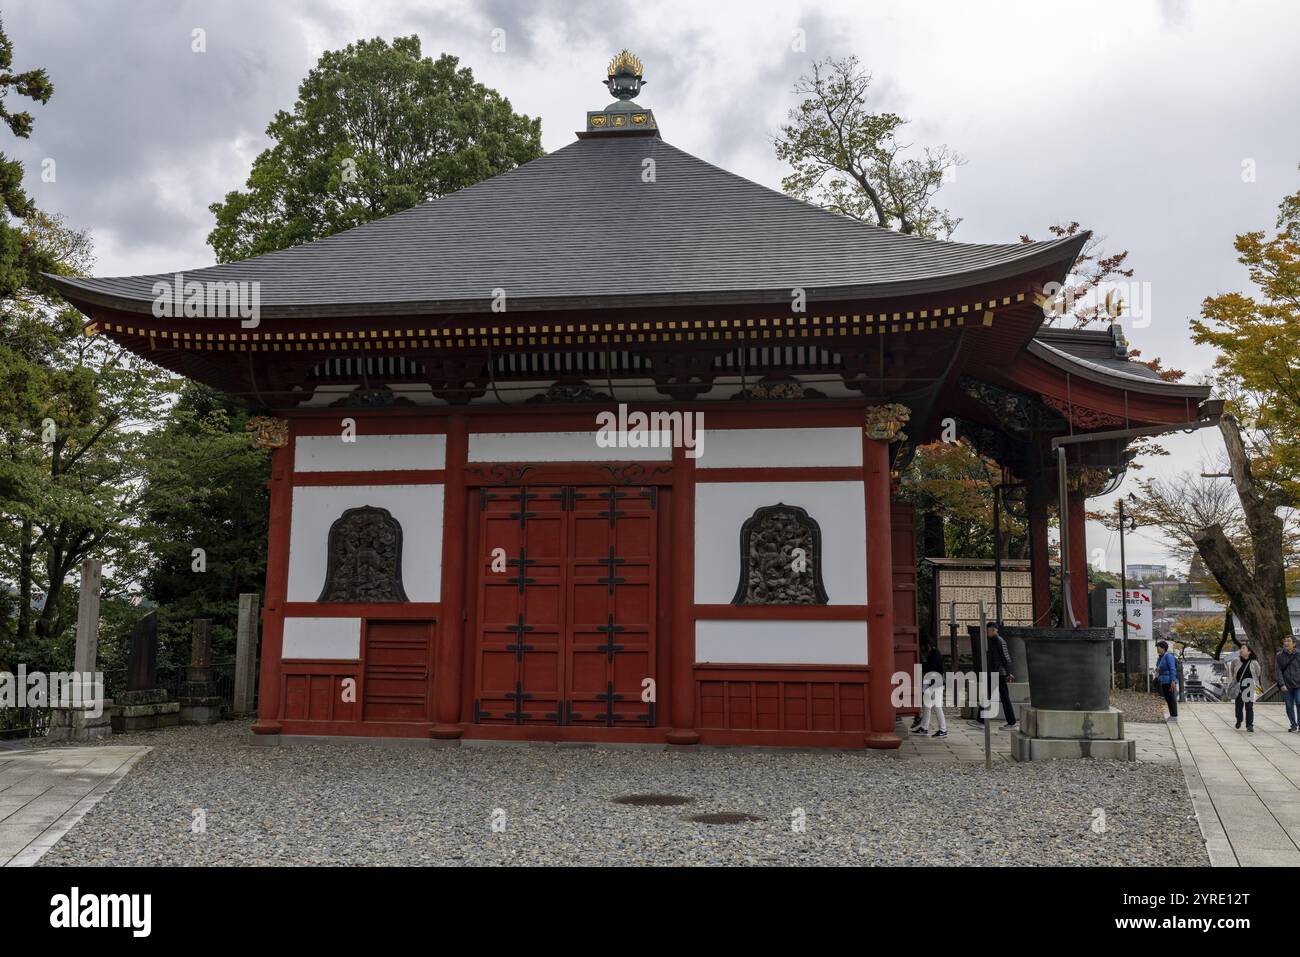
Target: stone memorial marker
[
  {"x": 144, "y": 706},
  {"x": 200, "y": 702},
  {"x": 81, "y": 723},
  {"x": 246, "y": 654}
]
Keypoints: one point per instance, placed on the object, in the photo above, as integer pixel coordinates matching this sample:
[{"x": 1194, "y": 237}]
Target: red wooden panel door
[
  {"x": 570, "y": 638},
  {"x": 522, "y": 542},
  {"x": 397, "y": 656},
  {"x": 611, "y": 606}
]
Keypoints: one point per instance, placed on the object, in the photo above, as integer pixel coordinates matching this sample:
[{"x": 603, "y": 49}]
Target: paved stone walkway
[
  {"x": 43, "y": 793},
  {"x": 1245, "y": 787}
]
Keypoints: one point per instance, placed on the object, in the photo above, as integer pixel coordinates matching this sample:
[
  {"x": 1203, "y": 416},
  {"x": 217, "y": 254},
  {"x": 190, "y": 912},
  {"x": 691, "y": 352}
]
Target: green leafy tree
[
  {"x": 1258, "y": 341},
  {"x": 1237, "y": 525},
  {"x": 224, "y": 517},
  {"x": 848, "y": 159},
  {"x": 22, "y": 259},
  {"x": 377, "y": 128}
]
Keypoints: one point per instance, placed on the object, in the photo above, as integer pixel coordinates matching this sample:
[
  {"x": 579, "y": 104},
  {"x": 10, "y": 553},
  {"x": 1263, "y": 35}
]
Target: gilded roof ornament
[
  {"x": 626, "y": 62},
  {"x": 625, "y": 79}
]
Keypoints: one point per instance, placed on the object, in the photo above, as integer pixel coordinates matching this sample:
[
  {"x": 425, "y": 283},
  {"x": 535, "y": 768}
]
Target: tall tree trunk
[
  {"x": 1258, "y": 595},
  {"x": 25, "y": 552},
  {"x": 932, "y": 534}
]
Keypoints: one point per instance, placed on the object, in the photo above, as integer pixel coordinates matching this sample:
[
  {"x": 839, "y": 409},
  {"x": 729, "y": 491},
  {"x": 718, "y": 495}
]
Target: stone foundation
[
  {"x": 144, "y": 711},
  {"x": 1046, "y": 734},
  {"x": 77, "y": 724}
]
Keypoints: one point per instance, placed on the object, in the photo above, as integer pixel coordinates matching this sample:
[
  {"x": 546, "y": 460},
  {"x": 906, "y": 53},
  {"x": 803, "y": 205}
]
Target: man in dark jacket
[
  {"x": 1000, "y": 661},
  {"x": 1288, "y": 679}
]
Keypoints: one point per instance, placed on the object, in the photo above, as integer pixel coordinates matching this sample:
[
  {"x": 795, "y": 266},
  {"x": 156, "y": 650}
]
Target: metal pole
[
  {"x": 1123, "y": 592},
  {"x": 1068, "y": 620},
  {"x": 984, "y": 718},
  {"x": 997, "y": 554},
  {"x": 952, "y": 633}
]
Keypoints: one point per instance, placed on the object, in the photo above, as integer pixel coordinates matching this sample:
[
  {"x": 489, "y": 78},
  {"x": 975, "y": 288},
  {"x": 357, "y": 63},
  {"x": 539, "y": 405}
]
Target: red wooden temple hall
[{"x": 452, "y": 529}]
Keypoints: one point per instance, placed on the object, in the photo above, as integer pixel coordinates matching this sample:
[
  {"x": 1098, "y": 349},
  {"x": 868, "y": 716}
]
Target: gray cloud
[{"x": 1137, "y": 125}]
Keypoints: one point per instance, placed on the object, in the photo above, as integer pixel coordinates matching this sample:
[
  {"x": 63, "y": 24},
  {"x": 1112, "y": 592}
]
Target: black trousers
[
  {"x": 1004, "y": 692},
  {"x": 1249, "y": 707},
  {"x": 1004, "y": 696},
  {"x": 1171, "y": 699}
]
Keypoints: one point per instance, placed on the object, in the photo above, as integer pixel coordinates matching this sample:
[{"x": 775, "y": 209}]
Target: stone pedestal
[
  {"x": 78, "y": 724},
  {"x": 144, "y": 711},
  {"x": 1019, "y": 695},
  {"x": 1045, "y": 734},
  {"x": 199, "y": 701}
]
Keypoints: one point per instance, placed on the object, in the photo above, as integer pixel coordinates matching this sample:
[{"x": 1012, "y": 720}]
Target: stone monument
[
  {"x": 92, "y": 716},
  {"x": 246, "y": 655},
  {"x": 144, "y": 706},
  {"x": 199, "y": 701}
]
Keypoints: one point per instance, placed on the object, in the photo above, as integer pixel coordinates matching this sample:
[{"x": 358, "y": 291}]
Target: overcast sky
[{"x": 1136, "y": 119}]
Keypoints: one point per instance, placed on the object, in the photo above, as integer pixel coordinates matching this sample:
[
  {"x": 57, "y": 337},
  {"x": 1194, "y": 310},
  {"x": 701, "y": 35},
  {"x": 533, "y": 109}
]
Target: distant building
[{"x": 1142, "y": 573}]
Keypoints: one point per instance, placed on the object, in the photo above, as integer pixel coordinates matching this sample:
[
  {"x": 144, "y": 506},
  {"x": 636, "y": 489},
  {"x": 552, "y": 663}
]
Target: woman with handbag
[{"x": 1244, "y": 674}]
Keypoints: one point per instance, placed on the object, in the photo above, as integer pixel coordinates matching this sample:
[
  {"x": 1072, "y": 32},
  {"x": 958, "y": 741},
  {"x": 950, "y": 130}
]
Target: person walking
[
  {"x": 1243, "y": 675},
  {"x": 1000, "y": 661},
  {"x": 1167, "y": 676},
  {"x": 932, "y": 693},
  {"x": 1287, "y": 664}
]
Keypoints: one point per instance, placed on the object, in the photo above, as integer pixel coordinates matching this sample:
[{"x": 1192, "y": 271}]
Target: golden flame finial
[{"x": 627, "y": 61}]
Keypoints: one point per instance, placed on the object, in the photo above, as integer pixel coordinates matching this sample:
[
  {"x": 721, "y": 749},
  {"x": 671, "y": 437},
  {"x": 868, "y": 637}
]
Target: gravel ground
[
  {"x": 362, "y": 805},
  {"x": 1140, "y": 706}
]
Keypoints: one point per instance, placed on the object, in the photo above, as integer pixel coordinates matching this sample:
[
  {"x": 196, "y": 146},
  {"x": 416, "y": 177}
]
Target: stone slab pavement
[
  {"x": 43, "y": 793},
  {"x": 1245, "y": 787}
]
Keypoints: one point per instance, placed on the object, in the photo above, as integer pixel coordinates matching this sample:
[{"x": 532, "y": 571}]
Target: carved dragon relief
[
  {"x": 364, "y": 558},
  {"x": 780, "y": 558}
]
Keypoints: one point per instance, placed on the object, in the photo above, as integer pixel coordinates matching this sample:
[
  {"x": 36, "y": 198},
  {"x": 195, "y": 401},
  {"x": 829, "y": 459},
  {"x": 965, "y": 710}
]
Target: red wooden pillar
[
  {"x": 880, "y": 594},
  {"x": 1078, "y": 557},
  {"x": 1040, "y": 560},
  {"x": 682, "y": 582},
  {"x": 451, "y": 621},
  {"x": 277, "y": 588}
]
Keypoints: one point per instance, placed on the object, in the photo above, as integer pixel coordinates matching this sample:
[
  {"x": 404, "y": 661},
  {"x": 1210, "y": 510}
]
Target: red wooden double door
[{"x": 565, "y": 631}]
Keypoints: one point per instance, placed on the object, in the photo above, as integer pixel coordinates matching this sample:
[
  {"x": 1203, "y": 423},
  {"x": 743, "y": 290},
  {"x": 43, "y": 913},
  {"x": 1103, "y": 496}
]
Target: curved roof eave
[
  {"x": 1116, "y": 378},
  {"x": 93, "y": 292}
]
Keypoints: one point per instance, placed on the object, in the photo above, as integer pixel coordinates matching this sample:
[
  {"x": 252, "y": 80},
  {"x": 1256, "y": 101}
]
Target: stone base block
[
  {"x": 146, "y": 717},
  {"x": 146, "y": 697},
  {"x": 200, "y": 710},
  {"x": 1019, "y": 694},
  {"x": 1025, "y": 748},
  {"x": 76, "y": 724},
  {"x": 1073, "y": 725}
]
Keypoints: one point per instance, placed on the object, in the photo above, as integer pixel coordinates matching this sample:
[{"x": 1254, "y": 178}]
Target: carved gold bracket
[
  {"x": 885, "y": 422},
  {"x": 268, "y": 432}
]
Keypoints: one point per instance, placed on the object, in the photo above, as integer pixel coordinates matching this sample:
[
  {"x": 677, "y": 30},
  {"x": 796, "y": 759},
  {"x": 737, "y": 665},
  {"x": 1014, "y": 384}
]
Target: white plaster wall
[
  {"x": 782, "y": 642},
  {"x": 721, "y": 508},
  {"x": 417, "y": 507},
  {"x": 369, "y": 453},
  {"x": 322, "y": 638},
  {"x": 779, "y": 448},
  {"x": 560, "y": 447}
]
